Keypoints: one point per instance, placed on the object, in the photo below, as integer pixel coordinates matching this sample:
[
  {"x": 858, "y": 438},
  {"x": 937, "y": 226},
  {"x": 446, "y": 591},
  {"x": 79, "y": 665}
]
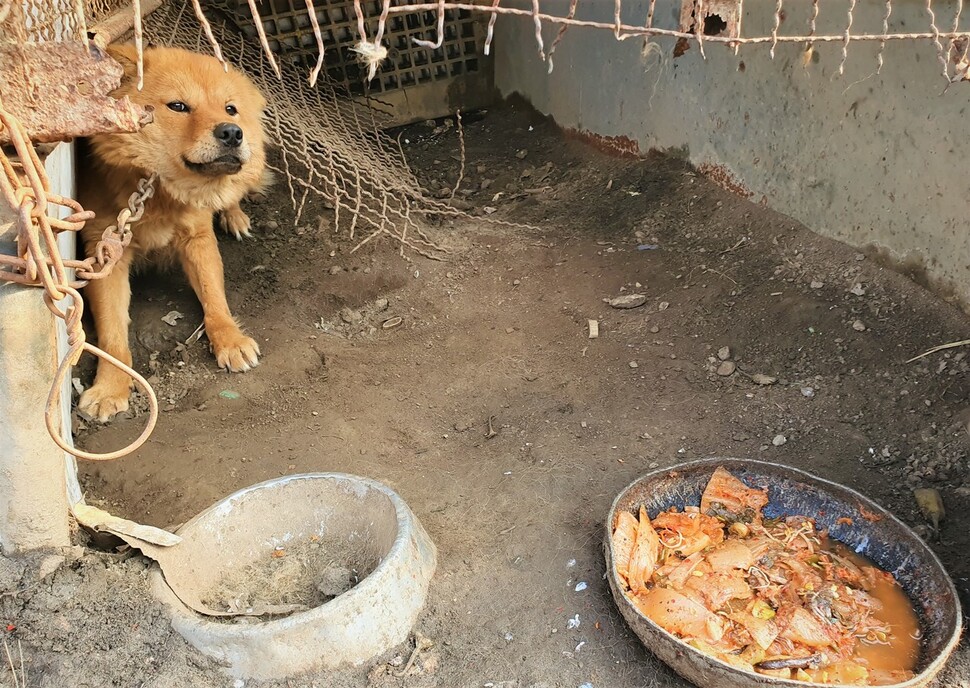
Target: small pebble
[
  {"x": 859, "y": 326},
  {"x": 724, "y": 353},
  {"x": 817, "y": 285},
  {"x": 634, "y": 364},
  {"x": 351, "y": 317},
  {"x": 271, "y": 225},
  {"x": 581, "y": 586},
  {"x": 726, "y": 368},
  {"x": 628, "y": 301},
  {"x": 509, "y": 330},
  {"x": 808, "y": 392},
  {"x": 779, "y": 440},
  {"x": 336, "y": 269}
]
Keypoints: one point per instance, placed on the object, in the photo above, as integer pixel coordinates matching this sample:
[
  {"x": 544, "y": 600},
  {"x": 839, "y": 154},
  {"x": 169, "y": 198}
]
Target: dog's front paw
[
  {"x": 234, "y": 221},
  {"x": 102, "y": 401},
  {"x": 234, "y": 350}
]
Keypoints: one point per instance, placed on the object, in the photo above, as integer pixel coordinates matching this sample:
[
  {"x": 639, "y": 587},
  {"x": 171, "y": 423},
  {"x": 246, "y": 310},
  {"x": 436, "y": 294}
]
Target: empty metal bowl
[{"x": 873, "y": 532}]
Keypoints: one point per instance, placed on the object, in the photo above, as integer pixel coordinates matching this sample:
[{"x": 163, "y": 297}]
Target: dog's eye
[
  {"x": 178, "y": 106},
  {"x": 231, "y": 109}
]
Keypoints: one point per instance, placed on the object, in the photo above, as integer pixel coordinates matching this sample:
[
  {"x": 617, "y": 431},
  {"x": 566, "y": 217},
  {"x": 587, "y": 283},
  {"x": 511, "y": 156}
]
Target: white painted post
[{"x": 34, "y": 509}]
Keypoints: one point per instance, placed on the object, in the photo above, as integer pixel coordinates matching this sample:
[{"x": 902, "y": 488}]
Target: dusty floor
[{"x": 500, "y": 332}]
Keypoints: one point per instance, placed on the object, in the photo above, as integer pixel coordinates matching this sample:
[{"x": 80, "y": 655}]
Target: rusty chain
[{"x": 40, "y": 264}]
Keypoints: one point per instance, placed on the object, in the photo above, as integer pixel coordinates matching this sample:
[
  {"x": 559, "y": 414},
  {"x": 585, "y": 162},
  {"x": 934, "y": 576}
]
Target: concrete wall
[{"x": 870, "y": 160}]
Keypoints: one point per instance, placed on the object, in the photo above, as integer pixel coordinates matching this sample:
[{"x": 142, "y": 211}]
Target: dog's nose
[{"x": 228, "y": 134}]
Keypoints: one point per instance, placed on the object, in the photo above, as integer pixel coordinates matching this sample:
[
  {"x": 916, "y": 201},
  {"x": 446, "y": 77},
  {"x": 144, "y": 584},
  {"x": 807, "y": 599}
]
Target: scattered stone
[
  {"x": 817, "y": 285},
  {"x": 634, "y": 364},
  {"x": 930, "y": 504},
  {"x": 664, "y": 305},
  {"x": 628, "y": 301},
  {"x": 857, "y": 290},
  {"x": 760, "y": 379},
  {"x": 726, "y": 368},
  {"x": 808, "y": 392},
  {"x": 521, "y": 155},
  {"x": 271, "y": 225},
  {"x": 382, "y": 304},
  {"x": 859, "y": 326},
  {"x": 351, "y": 317},
  {"x": 655, "y": 329},
  {"x": 724, "y": 353},
  {"x": 779, "y": 440},
  {"x": 509, "y": 330},
  {"x": 336, "y": 269},
  {"x": 49, "y": 565},
  {"x": 594, "y": 328}
]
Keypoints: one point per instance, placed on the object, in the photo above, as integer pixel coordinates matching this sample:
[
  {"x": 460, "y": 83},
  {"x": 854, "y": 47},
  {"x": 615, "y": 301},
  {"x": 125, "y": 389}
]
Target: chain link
[{"x": 27, "y": 192}]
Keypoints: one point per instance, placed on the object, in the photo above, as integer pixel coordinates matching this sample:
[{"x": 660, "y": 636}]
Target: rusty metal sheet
[
  {"x": 60, "y": 91},
  {"x": 720, "y": 17}
]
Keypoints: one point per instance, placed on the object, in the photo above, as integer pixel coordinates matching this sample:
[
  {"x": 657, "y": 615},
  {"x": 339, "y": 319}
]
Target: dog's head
[{"x": 206, "y": 140}]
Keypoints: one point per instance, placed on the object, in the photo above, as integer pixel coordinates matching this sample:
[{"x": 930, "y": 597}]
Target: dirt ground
[{"x": 500, "y": 332}]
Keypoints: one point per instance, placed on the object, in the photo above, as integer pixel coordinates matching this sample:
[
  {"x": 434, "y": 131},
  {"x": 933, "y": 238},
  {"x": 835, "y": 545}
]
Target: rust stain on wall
[
  {"x": 621, "y": 146},
  {"x": 724, "y": 179}
]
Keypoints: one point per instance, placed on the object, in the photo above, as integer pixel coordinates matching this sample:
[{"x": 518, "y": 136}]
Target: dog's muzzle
[{"x": 223, "y": 165}]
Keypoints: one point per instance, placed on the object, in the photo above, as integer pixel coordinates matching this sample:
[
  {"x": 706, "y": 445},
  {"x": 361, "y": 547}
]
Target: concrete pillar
[{"x": 34, "y": 510}]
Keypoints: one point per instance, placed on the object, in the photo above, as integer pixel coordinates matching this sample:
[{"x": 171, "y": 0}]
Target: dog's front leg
[
  {"x": 202, "y": 263},
  {"x": 109, "y": 299}
]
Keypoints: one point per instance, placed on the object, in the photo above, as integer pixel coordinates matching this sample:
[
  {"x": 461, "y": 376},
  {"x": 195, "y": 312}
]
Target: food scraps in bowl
[{"x": 776, "y": 597}]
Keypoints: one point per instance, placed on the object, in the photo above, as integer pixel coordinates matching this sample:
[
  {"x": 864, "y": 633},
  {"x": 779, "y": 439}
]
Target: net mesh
[{"x": 329, "y": 147}]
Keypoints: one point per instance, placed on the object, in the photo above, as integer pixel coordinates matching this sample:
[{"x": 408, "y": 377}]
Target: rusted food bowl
[{"x": 874, "y": 533}]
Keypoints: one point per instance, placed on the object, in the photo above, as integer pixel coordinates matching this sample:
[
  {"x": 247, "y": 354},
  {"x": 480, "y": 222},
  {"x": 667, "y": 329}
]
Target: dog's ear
[{"x": 126, "y": 55}]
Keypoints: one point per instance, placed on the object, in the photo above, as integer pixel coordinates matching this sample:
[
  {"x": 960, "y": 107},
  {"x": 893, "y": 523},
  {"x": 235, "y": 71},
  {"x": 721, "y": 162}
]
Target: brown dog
[{"x": 206, "y": 145}]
